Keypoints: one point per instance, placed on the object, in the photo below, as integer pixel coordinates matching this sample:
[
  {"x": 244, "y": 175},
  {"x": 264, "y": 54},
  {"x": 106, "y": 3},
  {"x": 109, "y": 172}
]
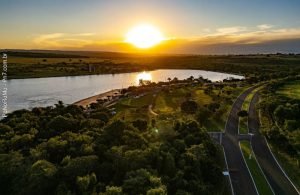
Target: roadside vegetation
[
  {"x": 259, "y": 179},
  {"x": 243, "y": 123},
  {"x": 290, "y": 89},
  {"x": 279, "y": 114}
]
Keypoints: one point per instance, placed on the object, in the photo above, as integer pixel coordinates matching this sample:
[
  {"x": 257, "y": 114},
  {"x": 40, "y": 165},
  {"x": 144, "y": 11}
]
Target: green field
[
  {"x": 166, "y": 106},
  {"x": 259, "y": 179},
  {"x": 69, "y": 63},
  {"x": 134, "y": 108},
  {"x": 243, "y": 126},
  {"x": 290, "y": 89}
]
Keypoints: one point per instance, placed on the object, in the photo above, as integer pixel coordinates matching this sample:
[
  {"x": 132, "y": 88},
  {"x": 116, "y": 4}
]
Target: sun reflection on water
[{"x": 144, "y": 76}]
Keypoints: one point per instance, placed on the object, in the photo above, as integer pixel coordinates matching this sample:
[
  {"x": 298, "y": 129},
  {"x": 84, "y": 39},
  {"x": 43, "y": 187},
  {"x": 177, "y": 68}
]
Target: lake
[{"x": 29, "y": 93}]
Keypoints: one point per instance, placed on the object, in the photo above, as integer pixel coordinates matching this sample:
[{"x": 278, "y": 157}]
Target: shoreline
[
  {"x": 113, "y": 73},
  {"x": 93, "y": 99}
]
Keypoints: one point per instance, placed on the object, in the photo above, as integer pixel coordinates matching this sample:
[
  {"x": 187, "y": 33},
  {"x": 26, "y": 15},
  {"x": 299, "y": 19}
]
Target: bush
[
  {"x": 291, "y": 125},
  {"x": 242, "y": 113},
  {"x": 140, "y": 124},
  {"x": 61, "y": 123},
  {"x": 203, "y": 115},
  {"x": 189, "y": 107},
  {"x": 101, "y": 116}
]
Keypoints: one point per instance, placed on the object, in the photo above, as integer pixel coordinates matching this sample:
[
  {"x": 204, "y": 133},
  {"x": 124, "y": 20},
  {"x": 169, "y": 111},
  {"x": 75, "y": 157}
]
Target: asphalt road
[
  {"x": 278, "y": 181},
  {"x": 239, "y": 174}
]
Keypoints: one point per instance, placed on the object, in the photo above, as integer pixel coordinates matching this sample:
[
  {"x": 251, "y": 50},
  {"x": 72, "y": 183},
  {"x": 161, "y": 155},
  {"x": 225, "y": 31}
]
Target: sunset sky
[{"x": 200, "y": 26}]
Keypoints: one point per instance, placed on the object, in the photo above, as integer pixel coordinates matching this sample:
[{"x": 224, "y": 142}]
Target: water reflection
[
  {"x": 143, "y": 77},
  {"x": 28, "y": 93}
]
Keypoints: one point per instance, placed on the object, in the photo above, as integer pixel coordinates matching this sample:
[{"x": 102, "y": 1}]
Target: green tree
[
  {"x": 242, "y": 113},
  {"x": 101, "y": 116},
  {"x": 137, "y": 182},
  {"x": 203, "y": 115},
  {"x": 61, "y": 123},
  {"x": 189, "y": 107},
  {"x": 113, "y": 190},
  {"x": 86, "y": 182},
  {"x": 291, "y": 125},
  {"x": 140, "y": 124},
  {"x": 42, "y": 178}
]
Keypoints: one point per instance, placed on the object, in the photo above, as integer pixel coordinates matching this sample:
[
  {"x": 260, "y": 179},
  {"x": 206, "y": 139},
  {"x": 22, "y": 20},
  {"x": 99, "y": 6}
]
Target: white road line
[
  {"x": 285, "y": 174},
  {"x": 281, "y": 167},
  {"x": 248, "y": 168},
  {"x": 232, "y": 192},
  {"x": 252, "y": 147},
  {"x": 261, "y": 169}
]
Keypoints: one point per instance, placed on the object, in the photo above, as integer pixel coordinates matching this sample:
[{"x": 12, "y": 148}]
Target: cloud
[
  {"x": 85, "y": 34},
  {"x": 63, "y": 40},
  {"x": 48, "y": 39},
  {"x": 231, "y": 30},
  {"x": 235, "y": 39},
  {"x": 264, "y": 26}
]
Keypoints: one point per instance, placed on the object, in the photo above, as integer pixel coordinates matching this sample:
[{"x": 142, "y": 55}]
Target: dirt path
[{"x": 151, "y": 111}]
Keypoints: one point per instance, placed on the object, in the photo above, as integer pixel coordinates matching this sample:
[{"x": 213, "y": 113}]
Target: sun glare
[
  {"x": 145, "y": 76},
  {"x": 144, "y": 36}
]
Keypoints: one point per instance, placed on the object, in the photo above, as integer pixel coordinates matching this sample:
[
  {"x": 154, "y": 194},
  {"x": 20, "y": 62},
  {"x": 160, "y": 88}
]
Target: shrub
[
  {"x": 189, "y": 107},
  {"x": 242, "y": 113}
]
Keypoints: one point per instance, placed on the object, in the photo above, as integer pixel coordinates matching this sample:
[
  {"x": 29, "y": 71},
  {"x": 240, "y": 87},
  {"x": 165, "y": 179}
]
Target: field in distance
[{"x": 29, "y": 64}]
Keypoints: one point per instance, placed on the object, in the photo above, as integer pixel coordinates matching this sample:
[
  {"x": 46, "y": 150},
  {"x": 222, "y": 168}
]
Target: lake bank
[
  {"x": 93, "y": 99},
  {"x": 41, "y": 92}
]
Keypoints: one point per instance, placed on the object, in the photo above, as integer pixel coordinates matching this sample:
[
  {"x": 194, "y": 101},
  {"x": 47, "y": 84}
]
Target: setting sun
[{"x": 144, "y": 36}]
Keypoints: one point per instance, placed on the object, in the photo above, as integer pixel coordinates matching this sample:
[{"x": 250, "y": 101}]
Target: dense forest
[{"x": 67, "y": 150}]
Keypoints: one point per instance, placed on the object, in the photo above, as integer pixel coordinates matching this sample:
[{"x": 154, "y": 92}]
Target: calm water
[{"x": 29, "y": 93}]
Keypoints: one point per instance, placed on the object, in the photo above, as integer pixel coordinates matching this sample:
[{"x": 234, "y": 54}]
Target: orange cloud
[{"x": 229, "y": 36}]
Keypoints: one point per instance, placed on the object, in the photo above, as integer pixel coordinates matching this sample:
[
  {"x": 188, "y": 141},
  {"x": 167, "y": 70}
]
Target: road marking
[
  {"x": 285, "y": 174},
  {"x": 248, "y": 168},
  {"x": 232, "y": 192},
  {"x": 261, "y": 169},
  {"x": 281, "y": 167},
  {"x": 252, "y": 147}
]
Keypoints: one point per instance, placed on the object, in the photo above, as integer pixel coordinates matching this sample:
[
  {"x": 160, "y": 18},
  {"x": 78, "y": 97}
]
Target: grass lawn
[
  {"x": 243, "y": 128},
  {"x": 134, "y": 108},
  {"x": 248, "y": 99},
  {"x": 166, "y": 104},
  {"x": 290, "y": 89},
  {"x": 259, "y": 179}
]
